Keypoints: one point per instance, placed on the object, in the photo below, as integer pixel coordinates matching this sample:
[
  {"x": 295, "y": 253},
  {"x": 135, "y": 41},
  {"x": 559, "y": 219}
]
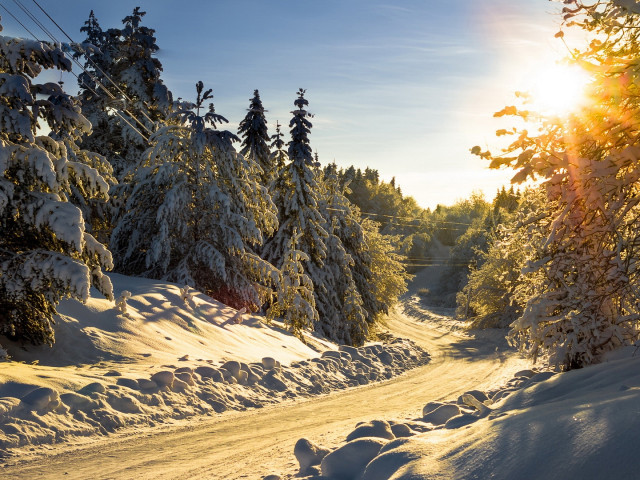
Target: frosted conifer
[
  {"x": 45, "y": 253},
  {"x": 278, "y": 154},
  {"x": 296, "y": 195},
  {"x": 196, "y": 211},
  {"x": 299, "y": 194},
  {"x": 295, "y": 302},
  {"x": 255, "y": 138},
  {"x": 126, "y": 67},
  {"x": 348, "y": 228}
]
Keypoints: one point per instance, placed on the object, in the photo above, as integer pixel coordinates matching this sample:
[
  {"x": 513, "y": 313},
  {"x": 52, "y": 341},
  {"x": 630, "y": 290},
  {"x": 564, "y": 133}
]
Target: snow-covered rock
[
  {"x": 43, "y": 399},
  {"x": 400, "y": 460},
  {"x": 308, "y": 454},
  {"x": 442, "y": 414},
  {"x": 163, "y": 378},
  {"x": 269, "y": 363},
  {"x": 374, "y": 428},
  {"x": 349, "y": 461},
  {"x": 401, "y": 430}
]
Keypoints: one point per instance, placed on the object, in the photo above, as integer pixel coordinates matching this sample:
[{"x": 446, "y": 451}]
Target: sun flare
[{"x": 558, "y": 89}]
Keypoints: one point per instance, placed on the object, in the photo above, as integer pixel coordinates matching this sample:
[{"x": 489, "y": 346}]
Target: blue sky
[{"x": 405, "y": 87}]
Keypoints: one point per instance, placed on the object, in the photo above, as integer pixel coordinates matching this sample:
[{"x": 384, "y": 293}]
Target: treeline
[{"x": 129, "y": 178}]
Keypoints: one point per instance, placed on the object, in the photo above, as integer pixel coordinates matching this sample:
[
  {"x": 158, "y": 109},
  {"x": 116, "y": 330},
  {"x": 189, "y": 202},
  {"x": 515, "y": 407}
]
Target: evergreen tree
[
  {"x": 296, "y": 196},
  {"x": 295, "y": 302},
  {"x": 255, "y": 138},
  {"x": 342, "y": 317},
  {"x": 94, "y": 207},
  {"x": 99, "y": 50},
  {"x": 132, "y": 96},
  {"x": 306, "y": 205},
  {"x": 197, "y": 211},
  {"x": 278, "y": 158},
  {"x": 45, "y": 253},
  {"x": 347, "y": 226}
]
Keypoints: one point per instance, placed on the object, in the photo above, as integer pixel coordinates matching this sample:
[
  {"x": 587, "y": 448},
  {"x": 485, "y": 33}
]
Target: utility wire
[
  {"x": 436, "y": 222},
  {"x": 17, "y": 20},
  {"x": 35, "y": 20},
  {"x": 73, "y": 73},
  {"x": 93, "y": 63},
  {"x": 93, "y": 78}
]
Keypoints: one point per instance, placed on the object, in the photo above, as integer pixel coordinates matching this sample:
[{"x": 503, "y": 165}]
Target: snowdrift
[
  {"x": 165, "y": 355},
  {"x": 582, "y": 424}
]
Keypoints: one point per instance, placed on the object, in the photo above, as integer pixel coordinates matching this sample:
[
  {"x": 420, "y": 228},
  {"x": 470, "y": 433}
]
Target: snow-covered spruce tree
[
  {"x": 84, "y": 193},
  {"x": 343, "y": 318},
  {"x": 294, "y": 301},
  {"x": 197, "y": 211},
  {"x": 45, "y": 253},
  {"x": 278, "y": 158},
  {"x": 297, "y": 194},
  {"x": 124, "y": 76},
  {"x": 99, "y": 50},
  {"x": 357, "y": 277},
  {"x": 255, "y": 138}
]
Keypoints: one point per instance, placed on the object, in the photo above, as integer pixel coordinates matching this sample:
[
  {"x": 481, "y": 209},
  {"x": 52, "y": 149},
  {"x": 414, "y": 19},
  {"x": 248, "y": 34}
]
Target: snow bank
[
  {"x": 581, "y": 424},
  {"x": 162, "y": 358}
]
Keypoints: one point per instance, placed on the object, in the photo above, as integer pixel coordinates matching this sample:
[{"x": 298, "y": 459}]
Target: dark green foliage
[{"x": 255, "y": 138}]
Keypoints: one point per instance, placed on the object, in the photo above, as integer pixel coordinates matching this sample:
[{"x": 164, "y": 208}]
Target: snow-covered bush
[
  {"x": 121, "y": 302},
  {"x": 584, "y": 301},
  {"x": 45, "y": 252},
  {"x": 497, "y": 290}
]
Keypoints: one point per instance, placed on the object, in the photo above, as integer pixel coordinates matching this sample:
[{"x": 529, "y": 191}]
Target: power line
[
  {"x": 418, "y": 219},
  {"x": 52, "y": 37},
  {"x": 16, "y": 19},
  {"x": 74, "y": 60},
  {"x": 96, "y": 66},
  {"x": 54, "y": 22},
  {"x": 35, "y": 20}
]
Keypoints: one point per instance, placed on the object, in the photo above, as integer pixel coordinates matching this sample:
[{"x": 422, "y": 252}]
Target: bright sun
[{"x": 558, "y": 89}]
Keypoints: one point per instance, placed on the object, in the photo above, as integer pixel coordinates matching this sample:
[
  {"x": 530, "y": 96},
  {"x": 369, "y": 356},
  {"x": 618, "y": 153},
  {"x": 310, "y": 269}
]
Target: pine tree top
[{"x": 299, "y": 149}]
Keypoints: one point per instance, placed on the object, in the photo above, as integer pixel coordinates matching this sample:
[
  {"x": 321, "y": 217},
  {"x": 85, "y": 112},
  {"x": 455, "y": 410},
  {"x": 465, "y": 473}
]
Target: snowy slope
[{"x": 168, "y": 356}]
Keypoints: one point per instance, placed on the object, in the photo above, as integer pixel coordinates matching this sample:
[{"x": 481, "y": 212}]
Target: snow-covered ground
[
  {"x": 513, "y": 423},
  {"x": 168, "y": 355},
  {"x": 581, "y": 425}
]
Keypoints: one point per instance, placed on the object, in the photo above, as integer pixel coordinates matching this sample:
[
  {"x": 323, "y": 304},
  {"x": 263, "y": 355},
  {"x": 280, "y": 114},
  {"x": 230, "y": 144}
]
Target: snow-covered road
[{"x": 254, "y": 443}]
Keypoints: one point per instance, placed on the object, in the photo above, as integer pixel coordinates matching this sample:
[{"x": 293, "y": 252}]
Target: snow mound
[
  {"x": 374, "y": 428},
  {"x": 349, "y": 461},
  {"x": 309, "y": 454},
  {"x": 166, "y": 358}
]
